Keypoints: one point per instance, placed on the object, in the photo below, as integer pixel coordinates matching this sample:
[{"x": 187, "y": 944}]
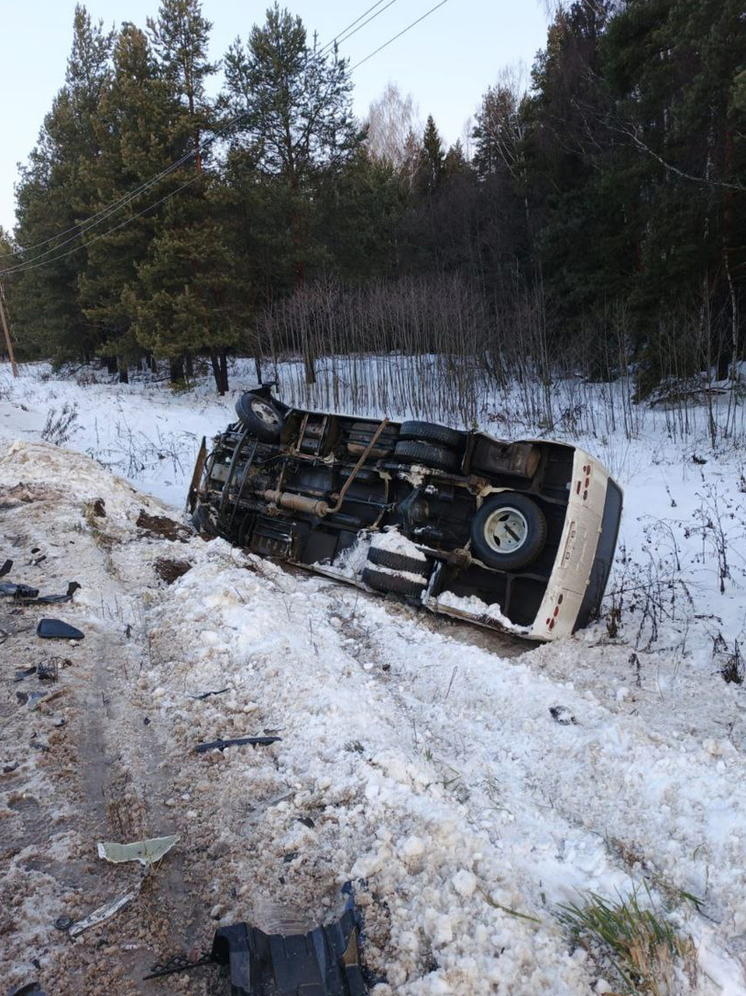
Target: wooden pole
[{"x": 8, "y": 343}]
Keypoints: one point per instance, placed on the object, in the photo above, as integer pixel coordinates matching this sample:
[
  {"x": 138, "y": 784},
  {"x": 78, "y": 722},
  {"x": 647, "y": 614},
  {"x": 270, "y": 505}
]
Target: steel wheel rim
[
  {"x": 265, "y": 414},
  {"x": 506, "y": 530}
]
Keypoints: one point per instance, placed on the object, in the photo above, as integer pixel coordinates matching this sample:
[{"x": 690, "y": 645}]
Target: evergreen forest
[{"x": 593, "y": 220}]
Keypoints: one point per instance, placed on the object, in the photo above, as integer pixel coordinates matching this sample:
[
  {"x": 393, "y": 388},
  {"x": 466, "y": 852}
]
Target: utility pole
[{"x": 8, "y": 343}]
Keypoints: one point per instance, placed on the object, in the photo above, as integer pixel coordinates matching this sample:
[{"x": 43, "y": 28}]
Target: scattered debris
[
  {"x": 171, "y": 570},
  {"x": 10, "y": 767},
  {"x": 562, "y": 715},
  {"x": 55, "y": 629},
  {"x": 236, "y": 742},
  {"x": 147, "y": 852},
  {"x": 63, "y": 923},
  {"x": 72, "y": 587},
  {"x": 6, "y": 568},
  {"x": 180, "y": 963},
  {"x": 103, "y": 912},
  {"x": 13, "y": 590},
  {"x": 28, "y": 989},
  {"x": 30, "y": 595},
  {"x": 48, "y": 670},
  {"x": 26, "y": 673},
  {"x": 206, "y": 695},
  {"x": 306, "y": 821},
  {"x": 324, "y": 961}
]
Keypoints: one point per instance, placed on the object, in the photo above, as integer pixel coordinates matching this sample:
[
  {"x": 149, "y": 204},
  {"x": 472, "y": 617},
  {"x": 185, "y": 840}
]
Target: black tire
[
  {"x": 431, "y": 432},
  {"x": 521, "y": 528},
  {"x": 260, "y": 416},
  {"x": 412, "y": 451},
  {"x": 393, "y": 583},
  {"x": 398, "y": 561}
]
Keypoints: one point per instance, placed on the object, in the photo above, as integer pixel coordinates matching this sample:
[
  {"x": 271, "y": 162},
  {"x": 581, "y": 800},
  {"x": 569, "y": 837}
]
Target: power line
[
  {"x": 100, "y": 216},
  {"x": 111, "y": 207},
  {"x": 106, "y": 212},
  {"x": 350, "y": 25},
  {"x": 343, "y": 36},
  {"x": 31, "y": 265},
  {"x": 127, "y": 198},
  {"x": 402, "y": 32}
]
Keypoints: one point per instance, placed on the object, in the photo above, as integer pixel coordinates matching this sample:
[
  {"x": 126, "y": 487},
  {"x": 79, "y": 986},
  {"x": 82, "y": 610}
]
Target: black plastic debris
[
  {"x": 26, "y": 593},
  {"x": 13, "y": 590},
  {"x": 6, "y": 568},
  {"x": 562, "y": 715},
  {"x": 236, "y": 742},
  {"x": 48, "y": 670},
  {"x": 25, "y": 673},
  {"x": 323, "y": 962},
  {"x": 63, "y": 923},
  {"x": 55, "y": 629},
  {"x": 52, "y": 599},
  {"x": 28, "y": 989},
  {"x": 206, "y": 695}
]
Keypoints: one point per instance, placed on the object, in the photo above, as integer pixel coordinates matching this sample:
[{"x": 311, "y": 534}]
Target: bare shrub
[{"x": 60, "y": 428}]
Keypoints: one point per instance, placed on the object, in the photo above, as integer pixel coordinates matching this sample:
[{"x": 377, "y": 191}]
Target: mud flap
[
  {"x": 323, "y": 962},
  {"x": 199, "y": 466}
]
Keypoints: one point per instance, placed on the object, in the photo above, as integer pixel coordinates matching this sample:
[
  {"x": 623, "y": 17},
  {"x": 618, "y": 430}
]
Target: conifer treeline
[{"x": 613, "y": 193}]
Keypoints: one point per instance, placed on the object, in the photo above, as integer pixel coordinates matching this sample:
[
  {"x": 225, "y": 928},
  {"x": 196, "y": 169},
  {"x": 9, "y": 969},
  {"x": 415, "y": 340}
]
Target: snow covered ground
[{"x": 422, "y": 760}]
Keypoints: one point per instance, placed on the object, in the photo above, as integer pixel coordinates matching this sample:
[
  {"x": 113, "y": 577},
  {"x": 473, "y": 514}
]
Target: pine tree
[
  {"x": 189, "y": 296},
  {"x": 296, "y": 116},
  {"x": 180, "y": 37},
  {"x": 136, "y": 113},
  {"x": 432, "y": 160},
  {"x": 54, "y": 196}
]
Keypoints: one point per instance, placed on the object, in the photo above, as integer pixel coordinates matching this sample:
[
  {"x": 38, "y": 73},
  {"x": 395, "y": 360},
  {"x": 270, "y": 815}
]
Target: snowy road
[{"x": 427, "y": 770}]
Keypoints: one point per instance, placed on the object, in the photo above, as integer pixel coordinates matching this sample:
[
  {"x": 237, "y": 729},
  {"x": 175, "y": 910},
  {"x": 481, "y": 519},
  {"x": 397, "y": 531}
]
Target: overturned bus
[{"x": 516, "y": 536}]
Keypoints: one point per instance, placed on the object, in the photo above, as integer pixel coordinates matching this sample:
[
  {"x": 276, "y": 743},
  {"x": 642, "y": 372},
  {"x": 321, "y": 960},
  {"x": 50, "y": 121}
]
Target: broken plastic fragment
[
  {"x": 50, "y": 599},
  {"x": 324, "y": 961},
  {"x": 103, "y": 913},
  {"x": 236, "y": 742},
  {"x": 47, "y": 670},
  {"x": 17, "y": 590},
  {"x": 145, "y": 851},
  {"x": 26, "y": 673},
  {"x": 206, "y": 695},
  {"x": 562, "y": 715},
  {"x": 55, "y": 629},
  {"x": 28, "y": 989}
]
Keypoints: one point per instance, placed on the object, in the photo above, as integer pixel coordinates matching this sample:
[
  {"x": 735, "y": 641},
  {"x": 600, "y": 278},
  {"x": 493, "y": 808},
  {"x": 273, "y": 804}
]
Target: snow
[
  {"x": 474, "y": 606},
  {"x": 392, "y": 541},
  {"x": 423, "y": 752}
]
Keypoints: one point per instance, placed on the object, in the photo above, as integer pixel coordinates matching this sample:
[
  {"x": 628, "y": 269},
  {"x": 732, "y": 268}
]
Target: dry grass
[{"x": 634, "y": 942}]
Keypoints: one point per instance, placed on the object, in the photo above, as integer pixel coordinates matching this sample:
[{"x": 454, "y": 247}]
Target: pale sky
[{"x": 446, "y": 62}]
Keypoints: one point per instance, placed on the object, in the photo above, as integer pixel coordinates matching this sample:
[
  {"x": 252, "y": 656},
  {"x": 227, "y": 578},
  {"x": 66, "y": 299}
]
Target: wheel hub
[
  {"x": 264, "y": 412},
  {"x": 506, "y": 530}
]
